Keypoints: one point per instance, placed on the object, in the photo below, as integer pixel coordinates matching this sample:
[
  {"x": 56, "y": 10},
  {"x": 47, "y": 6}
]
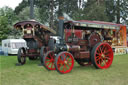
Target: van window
[
  {"x": 5, "y": 45},
  {"x": 17, "y": 45},
  {"x": 9, "y": 45}
]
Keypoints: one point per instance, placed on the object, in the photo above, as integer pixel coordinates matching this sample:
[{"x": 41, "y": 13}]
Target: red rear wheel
[
  {"x": 48, "y": 60},
  {"x": 64, "y": 62},
  {"x": 102, "y": 55}
]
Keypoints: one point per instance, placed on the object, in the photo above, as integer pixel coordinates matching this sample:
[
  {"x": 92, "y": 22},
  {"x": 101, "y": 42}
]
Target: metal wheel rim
[
  {"x": 49, "y": 60},
  {"x": 103, "y": 55},
  {"x": 65, "y": 62},
  {"x": 22, "y": 57}
]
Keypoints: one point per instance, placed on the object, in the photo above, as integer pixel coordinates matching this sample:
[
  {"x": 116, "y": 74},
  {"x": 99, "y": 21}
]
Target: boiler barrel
[{"x": 73, "y": 48}]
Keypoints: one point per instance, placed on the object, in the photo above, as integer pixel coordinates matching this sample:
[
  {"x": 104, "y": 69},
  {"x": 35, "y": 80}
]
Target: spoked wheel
[
  {"x": 48, "y": 60},
  {"x": 64, "y": 62},
  {"x": 102, "y": 55},
  {"x": 21, "y": 56}
]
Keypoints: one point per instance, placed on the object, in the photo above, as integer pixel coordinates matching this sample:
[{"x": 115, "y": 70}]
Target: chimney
[
  {"x": 61, "y": 29},
  {"x": 31, "y": 9}
]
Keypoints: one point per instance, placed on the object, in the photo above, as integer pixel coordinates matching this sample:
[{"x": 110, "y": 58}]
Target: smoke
[{"x": 66, "y": 17}]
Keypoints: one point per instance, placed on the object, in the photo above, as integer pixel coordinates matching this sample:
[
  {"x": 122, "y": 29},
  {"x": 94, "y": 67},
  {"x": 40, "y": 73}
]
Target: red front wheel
[
  {"x": 102, "y": 55},
  {"x": 48, "y": 60},
  {"x": 64, "y": 62}
]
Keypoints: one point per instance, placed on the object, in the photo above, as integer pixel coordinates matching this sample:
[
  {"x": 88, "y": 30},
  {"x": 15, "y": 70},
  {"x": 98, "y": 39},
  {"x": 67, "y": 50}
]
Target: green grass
[{"x": 32, "y": 74}]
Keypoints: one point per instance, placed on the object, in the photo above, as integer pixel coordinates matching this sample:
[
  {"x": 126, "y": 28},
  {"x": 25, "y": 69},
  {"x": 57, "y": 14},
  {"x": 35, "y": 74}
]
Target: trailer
[{"x": 11, "y": 46}]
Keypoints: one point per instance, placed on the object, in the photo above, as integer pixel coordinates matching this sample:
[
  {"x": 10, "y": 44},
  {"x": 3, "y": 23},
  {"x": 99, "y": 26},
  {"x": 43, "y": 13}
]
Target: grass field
[{"x": 32, "y": 74}]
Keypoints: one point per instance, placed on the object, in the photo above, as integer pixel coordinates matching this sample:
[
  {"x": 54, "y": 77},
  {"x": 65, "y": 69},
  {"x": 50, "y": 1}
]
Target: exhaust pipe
[
  {"x": 61, "y": 30},
  {"x": 61, "y": 46}
]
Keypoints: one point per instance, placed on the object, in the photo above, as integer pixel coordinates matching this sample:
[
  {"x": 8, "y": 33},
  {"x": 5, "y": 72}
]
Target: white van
[{"x": 11, "y": 46}]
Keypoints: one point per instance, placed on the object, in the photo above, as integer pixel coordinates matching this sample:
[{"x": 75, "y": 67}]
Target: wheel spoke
[
  {"x": 101, "y": 61},
  {"x": 63, "y": 56},
  {"x": 47, "y": 61},
  {"x": 100, "y": 50},
  {"x": 60, "y": 60},
  {"x": 52, "y": 65},
  {"x": 103, "y": 47},
  {"x": 98, "y": 53},
  {"x": 107, "y": 55},
  {"x": 69, "y": 61},
  {"x": 98, "y": 58},
  {"x": 107, "y": 51},
  {"x": 104, "y": 62},
  {"x": 48, "y": 58},
  {"x": 68, "y": 65},
  {"x": 68, "y": 58},
  {"x": 49, "y": 64},
  {"x": 65, "y": 67},
  {"x": 107, "y": 58}
]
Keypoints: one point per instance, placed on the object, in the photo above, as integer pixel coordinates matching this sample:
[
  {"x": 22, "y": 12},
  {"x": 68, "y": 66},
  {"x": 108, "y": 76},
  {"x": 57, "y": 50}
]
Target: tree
[
  {"x": 6, "y": 15},
  {"x": 3, "y": 28},
  {"x": 20, "y": 7},
  {"x": 49, "y": 10},
  {"x": 95, "y": 10},
  {"x": 25, "y": 14},
  {"x": 7, "y": 19},
  {"x": 117, "y": 10},
  {"x": 121, "y": 10},
  {"x": 103, "y": 10},
  {"x": 110, "y": 10}
]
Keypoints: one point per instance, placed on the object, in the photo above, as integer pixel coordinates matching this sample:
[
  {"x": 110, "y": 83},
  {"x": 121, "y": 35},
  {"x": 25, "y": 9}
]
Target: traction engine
[
  {"x": 84, "y": 41},
  {"x": 37, "y": 36}
]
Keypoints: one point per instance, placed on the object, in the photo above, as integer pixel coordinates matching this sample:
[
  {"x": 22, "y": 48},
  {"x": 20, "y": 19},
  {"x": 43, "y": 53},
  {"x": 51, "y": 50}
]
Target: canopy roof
[
  {"x": 95, "y": 24},
  {"x": 34, "y": 24}
]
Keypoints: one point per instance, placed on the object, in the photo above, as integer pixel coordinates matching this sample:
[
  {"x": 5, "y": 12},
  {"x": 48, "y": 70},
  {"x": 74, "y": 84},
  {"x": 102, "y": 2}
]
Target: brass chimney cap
[{"x": 61, "y": 17}]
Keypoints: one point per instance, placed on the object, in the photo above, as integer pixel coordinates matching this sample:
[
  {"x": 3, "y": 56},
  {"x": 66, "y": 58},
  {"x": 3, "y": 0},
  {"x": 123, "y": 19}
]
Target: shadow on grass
[
  {"x": 30, "y": 62},
  {"x": 76, "y": 68},
  {"x": 90, "y": 67}
]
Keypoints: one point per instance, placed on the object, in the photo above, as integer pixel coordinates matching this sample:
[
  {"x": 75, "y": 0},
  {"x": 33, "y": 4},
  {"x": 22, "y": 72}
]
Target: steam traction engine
[
  {"x": 87, "y": 42},
  {"x": 36, "y": 36}
]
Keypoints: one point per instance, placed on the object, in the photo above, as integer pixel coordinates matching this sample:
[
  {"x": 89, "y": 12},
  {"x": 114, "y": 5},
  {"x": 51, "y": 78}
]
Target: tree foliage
[
  {"x": 95, "y": 10},
  {"x": 117, "y": 10},
  {"x": 7, "y": 19},
  {"x": 6, "y": 15},
  {"x": 102, "y": 10},
  {"x": 21, "y": 6}
]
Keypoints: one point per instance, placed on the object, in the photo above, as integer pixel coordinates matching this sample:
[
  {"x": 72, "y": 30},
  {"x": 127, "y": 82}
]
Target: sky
[{"x": 10, "y": 3}]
